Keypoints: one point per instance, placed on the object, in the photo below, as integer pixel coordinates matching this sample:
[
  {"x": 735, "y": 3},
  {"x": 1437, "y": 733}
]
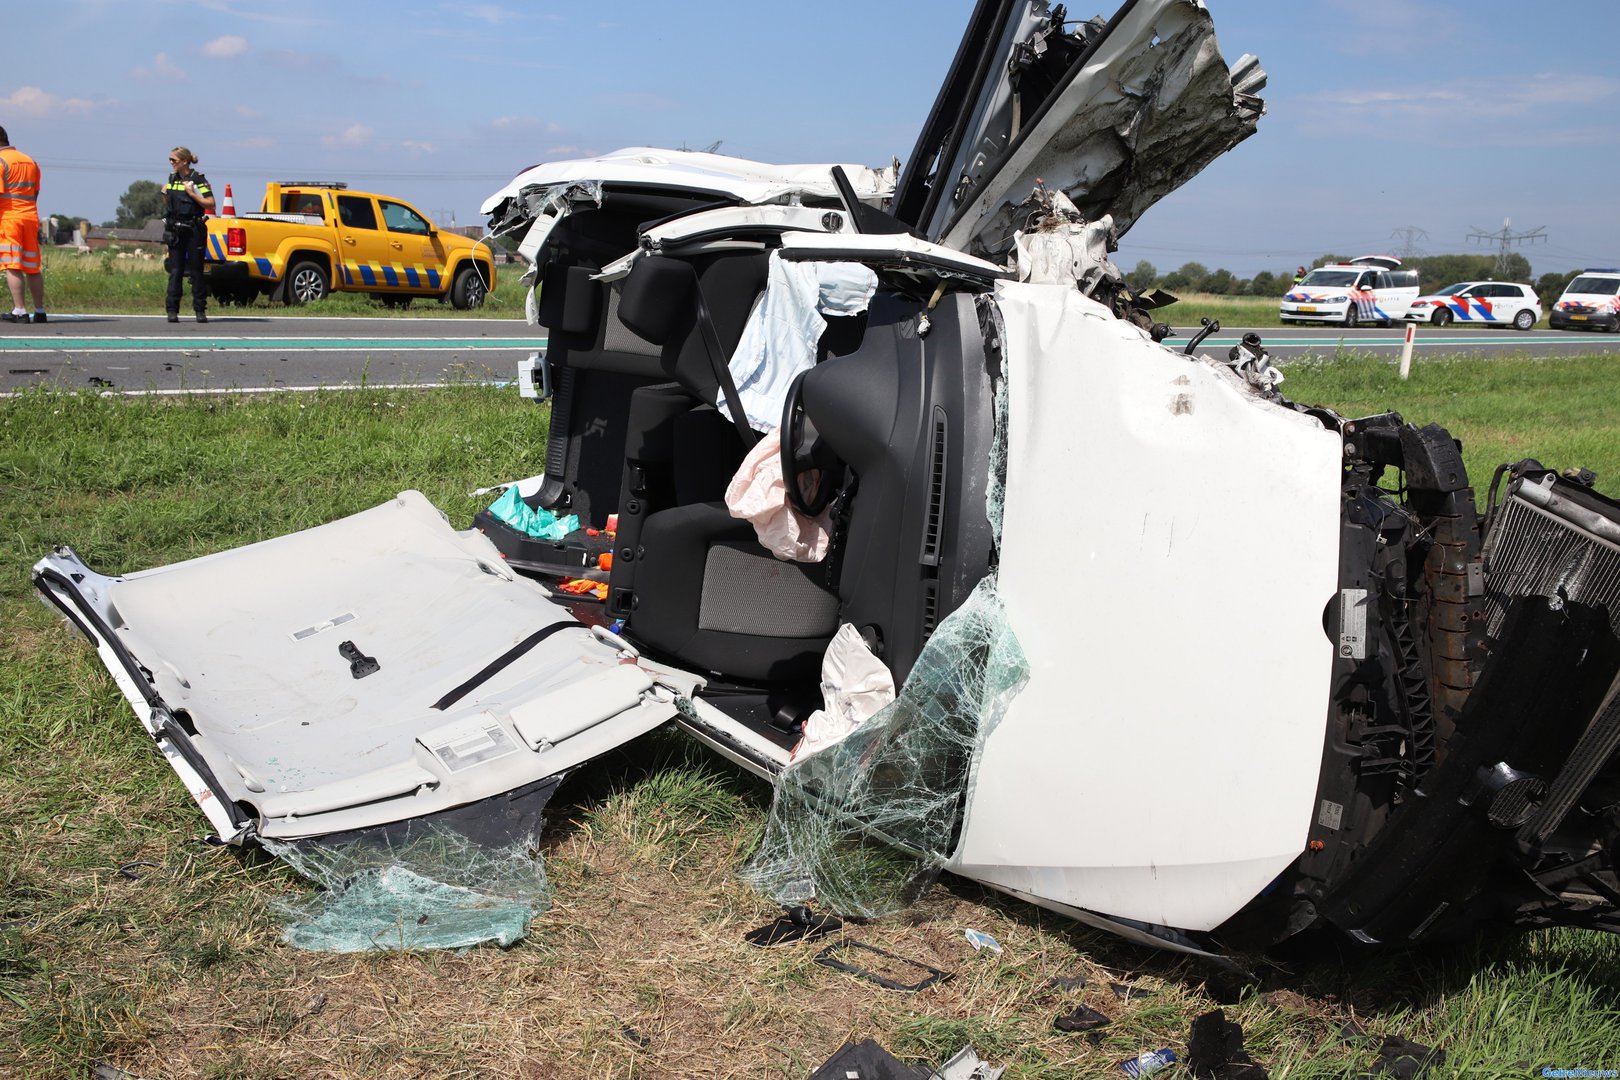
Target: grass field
[
  {"x": 175, "y": 969},
  {"x": 109, "y": 282}
]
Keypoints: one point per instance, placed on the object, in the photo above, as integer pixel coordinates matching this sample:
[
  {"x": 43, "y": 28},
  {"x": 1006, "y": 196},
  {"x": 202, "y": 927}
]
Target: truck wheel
[
  {"x": 307, "y": 282},
  {"x": 469, "y": 289}
]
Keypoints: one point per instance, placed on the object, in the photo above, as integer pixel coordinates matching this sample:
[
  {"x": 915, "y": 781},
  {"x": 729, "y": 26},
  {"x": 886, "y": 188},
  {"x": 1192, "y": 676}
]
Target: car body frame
[{"x": 1173, "y": 655}]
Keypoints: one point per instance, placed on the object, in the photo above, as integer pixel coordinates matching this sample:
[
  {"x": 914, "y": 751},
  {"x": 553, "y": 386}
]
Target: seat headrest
[{"x": 656, "y": 301}]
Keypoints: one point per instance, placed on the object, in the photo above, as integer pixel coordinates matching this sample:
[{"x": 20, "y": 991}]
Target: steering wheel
[{"x": 804, "y": 452}]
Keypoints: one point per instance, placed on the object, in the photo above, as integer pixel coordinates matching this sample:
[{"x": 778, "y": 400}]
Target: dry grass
[{"x": 177, "y": 969}]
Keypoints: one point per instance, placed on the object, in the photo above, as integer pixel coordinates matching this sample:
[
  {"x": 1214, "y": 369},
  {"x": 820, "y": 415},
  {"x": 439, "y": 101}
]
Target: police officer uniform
[{"x": 187, "y": 234}]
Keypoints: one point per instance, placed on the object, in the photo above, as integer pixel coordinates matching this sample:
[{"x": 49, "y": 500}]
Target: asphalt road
[
  {"x": 1298, "y": 342},
  {"x": 143, "y": 353}
]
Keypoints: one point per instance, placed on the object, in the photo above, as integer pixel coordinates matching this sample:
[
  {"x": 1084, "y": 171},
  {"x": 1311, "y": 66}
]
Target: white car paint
[
  {"x": 244, "y": 646},
  {"x": 1490, "y": 303},
  {"x": 1154, "y": 768},
  {"x": 1370, "y": 286}
]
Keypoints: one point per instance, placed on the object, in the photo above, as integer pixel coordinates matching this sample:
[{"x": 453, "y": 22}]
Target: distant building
[{"x": 148, "y": 237}]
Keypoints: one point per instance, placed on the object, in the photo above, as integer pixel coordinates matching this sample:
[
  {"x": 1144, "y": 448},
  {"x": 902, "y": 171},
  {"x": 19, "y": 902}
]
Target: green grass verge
[
  {"x": 124, "y": 283},
  {"x": 176, "y": 969}
]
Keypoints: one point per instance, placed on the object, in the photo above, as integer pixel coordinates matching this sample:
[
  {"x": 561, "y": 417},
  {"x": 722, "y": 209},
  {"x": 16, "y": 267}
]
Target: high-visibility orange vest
[{"x": 19, "y": 183}]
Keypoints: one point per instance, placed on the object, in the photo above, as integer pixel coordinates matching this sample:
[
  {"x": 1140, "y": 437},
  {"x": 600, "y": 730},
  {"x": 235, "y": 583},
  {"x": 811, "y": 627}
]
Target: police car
[
  {"x": 1591, "y": 301},
  {"x": 1369, "y": 289},
  {"x": 1496, "y": 303}
]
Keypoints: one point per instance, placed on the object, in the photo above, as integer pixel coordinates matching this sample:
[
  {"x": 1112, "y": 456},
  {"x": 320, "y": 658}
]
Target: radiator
[{"x": 1551, "y": 538}]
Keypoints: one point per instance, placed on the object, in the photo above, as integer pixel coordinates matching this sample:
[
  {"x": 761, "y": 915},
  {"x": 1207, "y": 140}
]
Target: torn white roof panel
[{"x": 740, "y": 179}]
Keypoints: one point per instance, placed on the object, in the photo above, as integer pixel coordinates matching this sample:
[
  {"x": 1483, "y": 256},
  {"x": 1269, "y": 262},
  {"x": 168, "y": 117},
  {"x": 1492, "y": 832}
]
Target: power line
[
  {"x": 1506, "y": 238},
  {"x": 1409, "y": 235}
]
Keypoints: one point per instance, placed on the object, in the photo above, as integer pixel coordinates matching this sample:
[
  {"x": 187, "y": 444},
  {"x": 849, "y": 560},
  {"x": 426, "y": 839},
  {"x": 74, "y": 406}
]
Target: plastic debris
[
  {"x": 981, "y": 940},
  {"x": 797, "y": 924},
  {"x": 585, "y": 587},
  {"x": 1404, "y": 1060},
  {"x": 1127, "y": 992},
  {"x": 829, "y": 957},
  {"x": 1148, "y": 1062},
  {"x": 966, "y": 1064},
  {"x": 541, "y": 524},
  {"x": 1215, "y": 1050},
  {"x": 1066, "y": 982},
  {"x": 1082, "y": 1018},
  {"x": 866, "y": 1060}
]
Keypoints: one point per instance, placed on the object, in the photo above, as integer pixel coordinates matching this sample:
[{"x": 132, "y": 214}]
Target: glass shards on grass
[{"x": 428, "y": 887}]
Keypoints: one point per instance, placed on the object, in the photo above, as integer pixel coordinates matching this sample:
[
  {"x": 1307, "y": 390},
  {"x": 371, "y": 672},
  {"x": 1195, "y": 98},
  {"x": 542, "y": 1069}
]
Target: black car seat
[{"x": 691, "y": 581}]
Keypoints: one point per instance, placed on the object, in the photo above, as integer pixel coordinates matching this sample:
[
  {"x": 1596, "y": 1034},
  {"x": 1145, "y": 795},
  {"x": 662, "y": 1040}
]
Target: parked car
[
  {"x": 1487, "y": 303},
  {"x": 1369, "y": 289},
  {"x": 314, "y": 238},
  {"x": 1168, "y": 653},
  {"x": 1590, "y": 302}
]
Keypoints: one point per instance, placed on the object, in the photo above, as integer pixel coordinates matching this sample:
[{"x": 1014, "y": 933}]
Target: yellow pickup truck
[{"x": 310, "y": 239}]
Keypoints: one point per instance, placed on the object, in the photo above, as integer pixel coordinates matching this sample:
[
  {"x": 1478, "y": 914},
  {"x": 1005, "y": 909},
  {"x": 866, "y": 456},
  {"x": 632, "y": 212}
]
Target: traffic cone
[{"x": 227, "y": 208}]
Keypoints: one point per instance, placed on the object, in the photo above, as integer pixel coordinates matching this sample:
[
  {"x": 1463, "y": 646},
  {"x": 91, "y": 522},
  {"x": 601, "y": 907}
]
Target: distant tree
[
  {"x": 1264, "y": 284},
  {"x": 1175, "y": 281},
  {"x": 1193, "y": 274},
  {"x": 1142, "y": 278},
  {"x": 1517, "y": 268},
  {"x": 1551, "y": 286},
  {"x": 138, "y": 205},
  {"x": 1218, "y": 281}
]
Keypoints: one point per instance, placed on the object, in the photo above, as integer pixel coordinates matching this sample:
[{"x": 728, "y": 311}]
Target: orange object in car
[{"x": 604, "y": 561}]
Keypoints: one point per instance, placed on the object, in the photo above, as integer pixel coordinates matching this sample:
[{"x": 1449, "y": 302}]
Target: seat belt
[{"x": 722, "y": 367}]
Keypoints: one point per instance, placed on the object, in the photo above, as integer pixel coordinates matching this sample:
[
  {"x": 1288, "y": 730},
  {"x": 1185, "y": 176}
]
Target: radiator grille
[{"x": 1531, "y": 552}]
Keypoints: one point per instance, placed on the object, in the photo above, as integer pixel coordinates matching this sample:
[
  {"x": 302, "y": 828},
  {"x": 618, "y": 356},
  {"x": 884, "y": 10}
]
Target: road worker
[{"x": 19, "y": 230}]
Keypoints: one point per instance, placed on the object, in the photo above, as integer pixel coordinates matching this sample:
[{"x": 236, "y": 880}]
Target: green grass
[
  {"x": 1234, "y": 311},
  {"x": 180, "y": 972},
  {"x": 130, "y": 282},
  {"x": 1563, "y": 411}
]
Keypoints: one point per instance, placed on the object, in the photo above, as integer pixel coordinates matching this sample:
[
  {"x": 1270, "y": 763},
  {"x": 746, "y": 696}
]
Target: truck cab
[{"x": 311, "y": 238}]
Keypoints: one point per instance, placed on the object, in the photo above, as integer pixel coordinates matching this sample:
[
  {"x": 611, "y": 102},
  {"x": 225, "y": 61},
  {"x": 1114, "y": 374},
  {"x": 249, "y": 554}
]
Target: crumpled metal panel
[{"x": 1152, "y": 106}]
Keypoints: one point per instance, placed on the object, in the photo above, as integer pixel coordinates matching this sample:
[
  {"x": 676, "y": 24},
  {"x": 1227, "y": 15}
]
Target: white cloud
[
  {"x": 353, "y": 135},
  {"x": 416, "y": 149},
  {"x": 493, "y": 14},
  {"x": 31, "y": 101},
  {"x": 255, "y": 142},
  {"x": 162, "y": 68},
  {"x": 1512, "y": 95},
  {"x": 223, "y": 48}
]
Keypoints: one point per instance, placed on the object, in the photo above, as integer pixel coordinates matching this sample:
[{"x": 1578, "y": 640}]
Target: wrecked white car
[{"x": 908, "y": 510}]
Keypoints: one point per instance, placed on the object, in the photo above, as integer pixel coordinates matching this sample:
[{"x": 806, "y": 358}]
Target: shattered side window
[{"x": 863, "y": 826}]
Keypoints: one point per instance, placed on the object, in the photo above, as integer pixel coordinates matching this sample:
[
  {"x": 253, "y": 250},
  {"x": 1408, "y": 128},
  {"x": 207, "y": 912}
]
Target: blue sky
[{"x": 1382, "y": 114}]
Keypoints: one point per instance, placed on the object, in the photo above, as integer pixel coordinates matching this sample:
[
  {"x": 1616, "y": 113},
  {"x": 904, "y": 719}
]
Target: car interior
[{"x": 894, "y": 429}]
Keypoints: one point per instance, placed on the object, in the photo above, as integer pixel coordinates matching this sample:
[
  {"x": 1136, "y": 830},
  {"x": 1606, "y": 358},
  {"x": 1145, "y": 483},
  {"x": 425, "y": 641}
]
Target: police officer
[{"x": 187, "y": 198}]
